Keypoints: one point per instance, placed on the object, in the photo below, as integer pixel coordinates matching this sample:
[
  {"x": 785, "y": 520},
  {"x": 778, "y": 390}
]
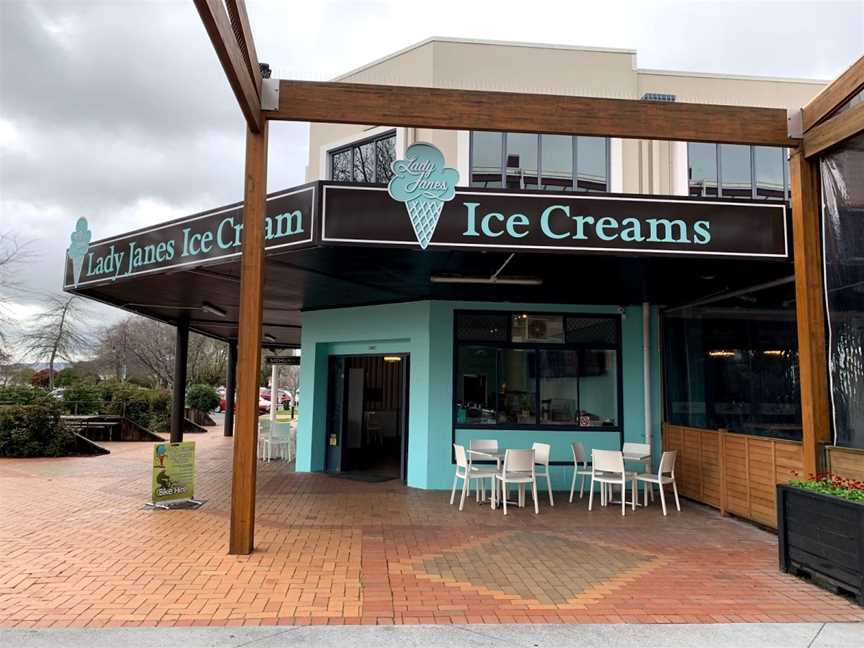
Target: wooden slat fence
[{"x": 736, "y": 473}]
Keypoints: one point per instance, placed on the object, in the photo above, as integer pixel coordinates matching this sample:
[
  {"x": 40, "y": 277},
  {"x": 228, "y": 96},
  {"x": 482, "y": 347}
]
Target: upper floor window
[
  {"x": 737, "y": 171},
  {"x": 365, "y": 161},
  {"x": 545, "y": 162}
]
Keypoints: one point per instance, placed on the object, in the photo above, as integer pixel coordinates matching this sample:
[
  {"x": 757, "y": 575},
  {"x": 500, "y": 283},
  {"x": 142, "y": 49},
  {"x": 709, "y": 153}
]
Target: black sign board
[
  {"x": 196, "y": 240},
  {"x": 293, "y": 361},
  {"x": 559, "y": 222}
]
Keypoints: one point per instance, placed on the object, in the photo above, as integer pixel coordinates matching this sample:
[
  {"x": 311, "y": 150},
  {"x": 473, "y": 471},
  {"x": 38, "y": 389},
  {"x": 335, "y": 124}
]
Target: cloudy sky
[{"x": 117, "y": 110}]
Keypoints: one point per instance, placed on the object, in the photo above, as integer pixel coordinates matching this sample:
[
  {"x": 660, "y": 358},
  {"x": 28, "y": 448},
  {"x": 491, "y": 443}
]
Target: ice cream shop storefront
[{"x": 429, "y": 313}]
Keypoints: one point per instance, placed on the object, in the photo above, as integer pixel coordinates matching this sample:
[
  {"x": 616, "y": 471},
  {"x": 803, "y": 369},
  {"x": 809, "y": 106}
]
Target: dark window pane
[
  {"x": 481, "y": 327},
  {"x": 476, "y": 385},
  {"x": 385, "y": 153},
  {"x": 591, "y": 330},
  {"x": 769, "y": 172},
  {"x": 735, "y": 170},
  {"x": 592, "y": 165},
  {"x": 517, "y": 387},
  {"x": 559, "y": 387},
  {"x": 544, "y": 329},
  {"x": 557, "y": 162},
  {"x": 340, "y": 166},
  {"x": 598, "y": 388},
  {"x": 521, "y": 161},
  {"x": 702, "y": 168},
  {"x": 364, "y": 162},
  {"x": 486, "y": 151}
]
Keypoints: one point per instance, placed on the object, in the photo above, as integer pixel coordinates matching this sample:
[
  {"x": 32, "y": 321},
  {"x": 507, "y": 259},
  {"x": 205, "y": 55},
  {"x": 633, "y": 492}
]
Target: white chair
[
  {"x": 580, "y": 467},
  {"x": 541, "y": 458},
  {"x": 483, "y": 444},
  {"x": 263, "y": 436},
  {"x": 665, "y": 475},
  {"x": 642, "y": 450},
  {"x": 466, "y": 472},
  {"x": 518, "y": 469},
  {"x": 277, "y": 437},
  {"x": 607, "y": 469}
]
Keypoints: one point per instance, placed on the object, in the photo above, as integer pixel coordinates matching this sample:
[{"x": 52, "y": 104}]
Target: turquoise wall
[{"x": 425, "y": 331}]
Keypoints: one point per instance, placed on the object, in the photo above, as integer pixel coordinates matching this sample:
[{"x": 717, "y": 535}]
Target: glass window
[
  {"x": 734, "y": 365},
  {"x": 521, "y": 160},
  {"x": 598, "y": 388},
  {"x": 476, "y": 387},
  {"x": 364, "y": 162},
  {"x": 385, "y": 154},
  {"x": 702, "y": 168},
  {"x": 367, "y": 161},
  {"x": 516, "y": 377},
  {"x": 735, "y": 171},
  {"x": 341, "y": 166},
  {"x": 537, "y": 328},
  {"x": 531, "y": 375},
  {"x": 769, "y": 172},
  {"x": 486, "y": 157},
  {"x": 556, "y": 152},
  {"x": 592, "y": 164},
  {"x": 559, "y": 387}
]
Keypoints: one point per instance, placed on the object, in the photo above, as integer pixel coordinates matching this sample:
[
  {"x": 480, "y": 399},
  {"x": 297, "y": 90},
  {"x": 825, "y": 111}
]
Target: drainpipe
[
  {"x": 646, "y": 375},
  {"x": 274, "y": 394}
]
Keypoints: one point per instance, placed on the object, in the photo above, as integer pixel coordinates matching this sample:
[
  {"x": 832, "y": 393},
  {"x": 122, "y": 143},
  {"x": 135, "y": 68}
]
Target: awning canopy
[{"x": 331, "y": 245}]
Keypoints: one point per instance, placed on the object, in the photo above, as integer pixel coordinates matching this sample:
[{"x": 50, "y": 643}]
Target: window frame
[
  {"x": 574, "y": 141},
  {"x": 754, "y": 194},
  {"x": 353, "y": 146},
  {"x": 618, "y": 428}
]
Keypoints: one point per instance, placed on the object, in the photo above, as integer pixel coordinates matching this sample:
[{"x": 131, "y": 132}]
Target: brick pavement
[{"x": 79, "y": 550}]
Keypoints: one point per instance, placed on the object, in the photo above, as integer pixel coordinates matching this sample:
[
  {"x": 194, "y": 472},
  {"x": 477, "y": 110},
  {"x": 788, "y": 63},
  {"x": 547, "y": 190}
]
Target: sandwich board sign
[{"x": 173, "y": 473}]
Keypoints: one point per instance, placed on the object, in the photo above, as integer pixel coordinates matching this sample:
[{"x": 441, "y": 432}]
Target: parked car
[
  {"x": 58, "y": 393},
  {"x": 263, "y": 405},
  {"x": 284, "y": 396}
]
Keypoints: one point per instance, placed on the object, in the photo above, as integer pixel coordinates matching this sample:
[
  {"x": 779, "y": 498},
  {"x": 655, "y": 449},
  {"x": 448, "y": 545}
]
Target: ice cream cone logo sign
[
  {"x": 424, "y": 184},
  {"x": 78, "y": 246}
]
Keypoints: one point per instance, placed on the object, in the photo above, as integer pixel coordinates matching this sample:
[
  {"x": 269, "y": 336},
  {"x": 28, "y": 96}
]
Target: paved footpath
[
  {"x": 78, "y": 549},
  {"x": 764, "y": 635}
]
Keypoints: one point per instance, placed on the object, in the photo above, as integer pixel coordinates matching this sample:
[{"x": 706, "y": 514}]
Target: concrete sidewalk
[{"x": 764, "y": 635}]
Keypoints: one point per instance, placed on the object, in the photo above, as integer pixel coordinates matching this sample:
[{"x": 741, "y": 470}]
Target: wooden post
[
  {"x": 178, "y": 405},
  {"x": 809, "y": 308},
  {"x": 230, "y": 389},
  {"x": 242, "y": 537}
]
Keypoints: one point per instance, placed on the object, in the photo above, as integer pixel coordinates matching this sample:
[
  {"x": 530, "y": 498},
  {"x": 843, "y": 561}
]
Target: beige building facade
[{"x": 634, "y": 166}]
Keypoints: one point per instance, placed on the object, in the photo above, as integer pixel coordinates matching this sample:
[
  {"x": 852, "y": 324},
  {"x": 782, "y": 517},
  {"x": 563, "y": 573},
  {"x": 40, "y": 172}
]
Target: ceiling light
[
  {"x": 207, "y": 307},
  {"x": 392, "y": 359},
  {"x": 722, "y": 354},
  {"x": 503, "y": 281}
]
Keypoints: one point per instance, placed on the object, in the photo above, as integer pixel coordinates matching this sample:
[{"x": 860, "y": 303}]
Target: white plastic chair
[
  {"x": 607, "y": 469},
  {"x": 665, "y": 475},
  {"x": 263, "y": 437},
  {"x": 642, "y": 449},
  {"x": 541, "y": 458},
  {"x": 466, "y": 472},
  {"x": 483, "y": 444},
  {"x": 518, "y": 469},
  {"x": 580, "y": 467}
]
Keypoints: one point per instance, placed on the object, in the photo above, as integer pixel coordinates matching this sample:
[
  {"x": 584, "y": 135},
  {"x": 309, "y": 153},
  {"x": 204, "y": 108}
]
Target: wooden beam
[
  {"x": 841, "y": 126},
  {"x": 227, "y": 48},
  {"x": 356, "y": 103},
  {"x": 834, "y": 95},
  {"x": 243, "y": 35},
  {"x": 809, "y": 308},
  {"x": 242, "y": 538}
]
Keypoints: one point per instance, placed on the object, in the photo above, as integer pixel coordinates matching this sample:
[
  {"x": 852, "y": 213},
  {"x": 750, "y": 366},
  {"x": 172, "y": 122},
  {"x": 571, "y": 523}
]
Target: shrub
[
  {"x": 82, "y": 398},
  {"x": 19, "y": 395},
  {"x": 149, "y": 408},
  {"x": 202, "y": 398},
  {"x": 34, "y": 429}
]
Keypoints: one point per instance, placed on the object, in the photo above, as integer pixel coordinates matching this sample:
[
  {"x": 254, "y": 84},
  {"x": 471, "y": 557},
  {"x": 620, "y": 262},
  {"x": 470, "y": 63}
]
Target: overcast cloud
[{"x": 119, "y": 110}]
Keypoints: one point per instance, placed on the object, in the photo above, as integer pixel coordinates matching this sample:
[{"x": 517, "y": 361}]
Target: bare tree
[
  {"x": 12, "y": 252},
  {"x": 58, "y": 333}
]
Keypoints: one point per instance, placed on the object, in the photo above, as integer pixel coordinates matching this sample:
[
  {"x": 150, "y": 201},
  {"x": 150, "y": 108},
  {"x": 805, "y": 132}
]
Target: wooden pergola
[{"x": 813, "y": 131}]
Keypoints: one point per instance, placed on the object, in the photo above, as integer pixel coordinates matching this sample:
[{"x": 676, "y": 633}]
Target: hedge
[{"x": 33, "y": 428}]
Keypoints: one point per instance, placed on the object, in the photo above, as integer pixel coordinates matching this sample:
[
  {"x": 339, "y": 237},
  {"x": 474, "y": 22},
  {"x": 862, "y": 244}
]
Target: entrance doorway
[{"x": 367, "y": 422}]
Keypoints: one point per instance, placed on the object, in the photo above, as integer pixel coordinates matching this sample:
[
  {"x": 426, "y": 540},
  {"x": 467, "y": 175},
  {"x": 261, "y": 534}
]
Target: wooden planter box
[{"x": 822, "y": 536}]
